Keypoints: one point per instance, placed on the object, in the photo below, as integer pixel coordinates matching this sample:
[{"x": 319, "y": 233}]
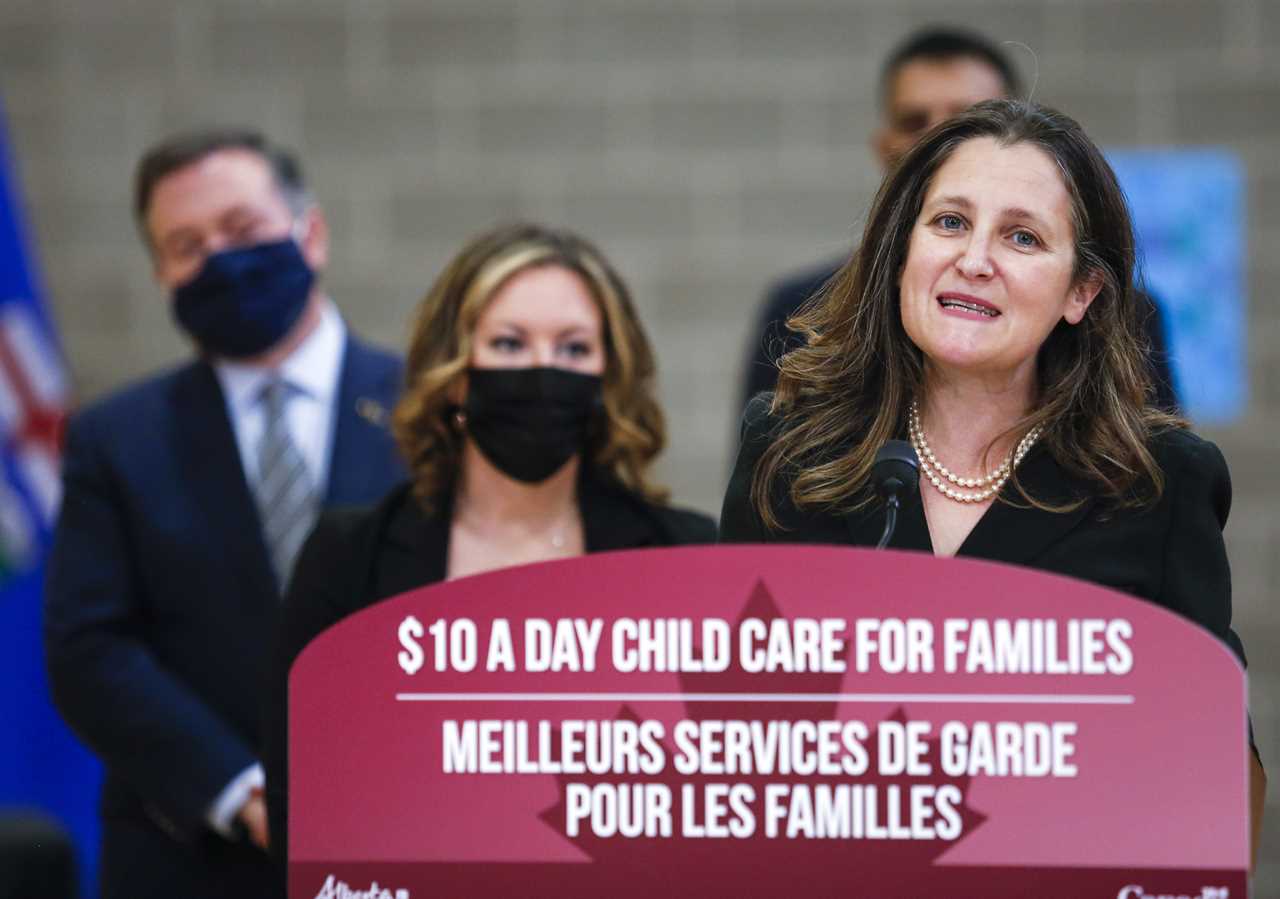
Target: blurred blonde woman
[{"x": 529, "y": 423}]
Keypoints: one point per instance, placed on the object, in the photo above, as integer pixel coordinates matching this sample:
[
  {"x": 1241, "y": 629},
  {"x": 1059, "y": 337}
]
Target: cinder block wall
[{"x": 707, "y": 145}]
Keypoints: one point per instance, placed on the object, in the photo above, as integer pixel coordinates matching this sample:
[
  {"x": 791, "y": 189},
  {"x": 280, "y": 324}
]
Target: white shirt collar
[{"x": 313, "y": 368}]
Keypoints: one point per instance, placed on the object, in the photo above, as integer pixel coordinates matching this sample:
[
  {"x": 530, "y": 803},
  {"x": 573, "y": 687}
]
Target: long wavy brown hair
[
  {"x": 847, "y": 390},
  {"x": 632, "y": 432}
]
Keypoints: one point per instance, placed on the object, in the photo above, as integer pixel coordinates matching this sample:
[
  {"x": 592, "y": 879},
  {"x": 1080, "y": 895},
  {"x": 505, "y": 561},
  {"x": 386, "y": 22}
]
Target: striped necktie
[{"x": 286, "y": 496}]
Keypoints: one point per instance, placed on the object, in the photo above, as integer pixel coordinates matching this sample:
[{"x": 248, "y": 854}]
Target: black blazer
[
  {"x": 357, "y": 557},
  {"x": 160, "y": 604},
  {"x": 770, "y": 339},
  {"x": 1171, "y": 552}
]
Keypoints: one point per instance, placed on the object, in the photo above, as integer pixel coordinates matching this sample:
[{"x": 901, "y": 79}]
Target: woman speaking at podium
[
  {"x": 989, "y": 318},
  {"x": 528, "y": 423}
]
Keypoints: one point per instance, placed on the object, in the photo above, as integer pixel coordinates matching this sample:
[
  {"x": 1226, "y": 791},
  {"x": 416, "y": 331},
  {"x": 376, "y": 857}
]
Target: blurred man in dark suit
[
  {"x": 186, "y": 498},
  {"x": 933, "y": 75}
]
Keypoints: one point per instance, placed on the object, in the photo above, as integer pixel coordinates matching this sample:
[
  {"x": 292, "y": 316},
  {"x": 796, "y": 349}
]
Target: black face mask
[
  {"x": 528, "y": 422},
  {"x": 243, "y": 301}
]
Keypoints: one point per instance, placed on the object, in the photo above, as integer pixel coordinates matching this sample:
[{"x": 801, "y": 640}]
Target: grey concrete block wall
[{"x": 707, "y": 145}]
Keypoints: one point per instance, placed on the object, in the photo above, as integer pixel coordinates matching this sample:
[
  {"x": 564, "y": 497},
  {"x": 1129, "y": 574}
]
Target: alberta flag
[{"x": 42, "y": 766}]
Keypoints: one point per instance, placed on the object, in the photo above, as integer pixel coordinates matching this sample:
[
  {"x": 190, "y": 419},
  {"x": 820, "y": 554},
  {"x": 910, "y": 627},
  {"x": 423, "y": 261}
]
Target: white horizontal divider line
[{"x": 1009, "y": 698}]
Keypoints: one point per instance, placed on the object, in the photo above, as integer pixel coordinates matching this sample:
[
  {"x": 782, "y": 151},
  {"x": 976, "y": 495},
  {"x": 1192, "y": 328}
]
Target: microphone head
[{"x": 896, "y": 471}]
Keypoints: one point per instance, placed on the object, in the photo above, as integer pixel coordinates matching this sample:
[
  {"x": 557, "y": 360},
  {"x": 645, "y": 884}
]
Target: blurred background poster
[{"x": 1188, "y": 209}]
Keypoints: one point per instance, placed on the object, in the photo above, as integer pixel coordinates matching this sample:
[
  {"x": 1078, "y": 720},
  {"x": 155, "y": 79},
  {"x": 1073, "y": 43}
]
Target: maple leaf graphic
[{"x": 772, "y": 865}]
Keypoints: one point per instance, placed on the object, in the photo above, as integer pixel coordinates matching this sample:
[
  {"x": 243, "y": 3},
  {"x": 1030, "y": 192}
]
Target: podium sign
[{"x": 730, "y": 721}]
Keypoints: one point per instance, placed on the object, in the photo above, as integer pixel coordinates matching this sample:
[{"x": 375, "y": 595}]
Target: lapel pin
[{"x": 371, "y": 411}]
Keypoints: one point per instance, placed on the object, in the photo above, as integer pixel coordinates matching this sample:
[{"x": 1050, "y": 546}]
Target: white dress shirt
[{"x": 313, "y": 370}]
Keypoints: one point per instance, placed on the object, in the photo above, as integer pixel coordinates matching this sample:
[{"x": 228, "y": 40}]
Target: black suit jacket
[
  {"x": 160, "y": 606},
  {"x": 770, "y": 339},
  {"x": 357, "y": 557},
  {"x": 1170, "y": 552}
]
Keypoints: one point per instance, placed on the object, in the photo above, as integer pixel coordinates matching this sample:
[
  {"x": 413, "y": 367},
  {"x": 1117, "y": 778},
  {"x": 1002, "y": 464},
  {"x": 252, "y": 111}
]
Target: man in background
[
  {"x": 933, "y": 75},
  {"x": 186, "y": 499}
]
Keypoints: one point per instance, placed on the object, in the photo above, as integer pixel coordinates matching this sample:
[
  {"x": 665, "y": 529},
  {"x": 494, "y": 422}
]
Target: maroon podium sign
[{"x": 731, "y": 721}]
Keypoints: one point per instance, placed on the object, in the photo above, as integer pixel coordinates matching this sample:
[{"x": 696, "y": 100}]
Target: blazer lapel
[
  {"x": 362, "y": 419},
  {"x": 1020, "y": 533},
  {"x": 612, "y": 517},
  {"x": 211, "y": 463}
]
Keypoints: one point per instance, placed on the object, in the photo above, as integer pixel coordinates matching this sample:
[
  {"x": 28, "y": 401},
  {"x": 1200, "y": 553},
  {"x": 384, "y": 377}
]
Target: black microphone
[{"x": 896, "y": 474}]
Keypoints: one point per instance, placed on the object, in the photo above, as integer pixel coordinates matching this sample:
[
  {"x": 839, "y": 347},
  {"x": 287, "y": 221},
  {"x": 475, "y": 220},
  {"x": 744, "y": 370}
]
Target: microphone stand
[
  {"x": 895, "y": 473},
  {"x": 890, "y": 519}
]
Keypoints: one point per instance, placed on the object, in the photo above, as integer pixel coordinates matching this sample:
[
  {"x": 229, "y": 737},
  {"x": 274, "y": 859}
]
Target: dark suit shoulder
[
  {"x": 786, "y": 294},
  {"x": 758, "y": 421},
  {"x": 1176, "y": 447},
  {"x": 378, "y": 359},
  {"x": 684, "y": 526},
  {"x": 135, "y": 433},
  {"x": 138, "y": 401},
  {"x": 1185, "y": 457},
  {"x": 769, "y": 339},
  {"x": 340, "y": 529},
  {"x": 617, "y": 517},
  {"x": 740, "y": 521},
  {"x": 758, "y": 429},
  {"x": 1194, "y": 469}
]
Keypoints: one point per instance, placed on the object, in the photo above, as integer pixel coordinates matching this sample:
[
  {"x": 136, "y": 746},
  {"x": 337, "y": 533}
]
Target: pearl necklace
[{"x": 937, "y": 474}]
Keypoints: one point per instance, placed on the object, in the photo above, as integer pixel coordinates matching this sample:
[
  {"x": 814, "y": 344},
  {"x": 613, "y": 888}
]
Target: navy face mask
[
  {"x": 244, "y": 300},
  {"x": 528, "y": 422}
]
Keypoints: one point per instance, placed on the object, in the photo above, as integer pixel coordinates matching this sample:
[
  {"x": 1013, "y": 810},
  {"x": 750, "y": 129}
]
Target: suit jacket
[
  {"x": 1170, "y": 552},
  {"x": 770, "y": 339},
  {"x": 357, "y": 557},
  {"x": 160, "y": 607}
]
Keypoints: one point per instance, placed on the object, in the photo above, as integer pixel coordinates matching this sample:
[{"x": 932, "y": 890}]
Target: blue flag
[{"x": 42, "y": 765}]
